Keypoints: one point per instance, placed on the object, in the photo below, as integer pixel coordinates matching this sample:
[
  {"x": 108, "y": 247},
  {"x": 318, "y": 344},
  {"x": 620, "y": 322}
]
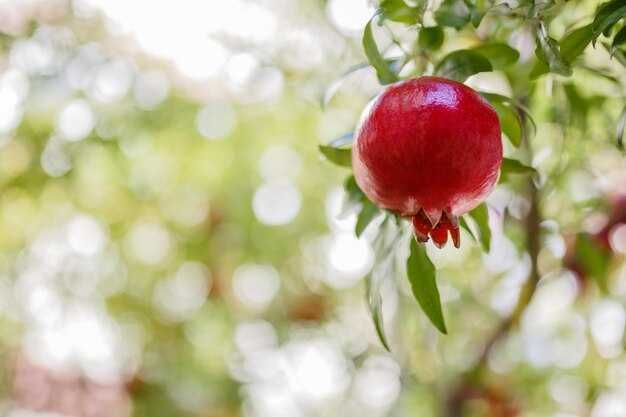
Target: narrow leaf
[
  {"x": 548, "y": 52},
  {"x": 571, "y": 46},
  {"x": 431, "y": 38},
  {"x": 513, "y": 166},
  {"x": 539, "y": 69},
  {"x": 467, "y": 228},
  {"x": 373, "y": 283},
  {"x": 619, "y": 38},
  {"x": 507, "y": 100},
  {"x": 519, "y": 108},
  {"x": 510, "y": 113},
  {"x": 477, "y": 15},
  {"x": 574, "y": 43},
  {"x": 461, "y": 64},
  {"x": 421, "y": 274},
  {"x": 500, "y": 55},
  {"x": 352, "y": 189},
  {"x": 394, "y": 64},
  {"x": 608, "y": 14},
  {"x": 617, "y": 53},
  {"x": 338, "y": 156},
  {"x": 384, "y": 268},
  {"x": 602, "y": 73},
  {"x": 619, "y": 132},
  {"x": 365, "y": 217},
  {"x": 510, "y": 123},
  {"x": 354, "y": 196},
  {"x": 334, "y": 87},
  {"x": 453, "y": 13},
  {"x": 376, "y": 60},
  {"x": 399, "y": 11},
  {"x": 375, "y": 303},
  {"x": 481, "y": 216},
  {"x": 341, "y": 141}
]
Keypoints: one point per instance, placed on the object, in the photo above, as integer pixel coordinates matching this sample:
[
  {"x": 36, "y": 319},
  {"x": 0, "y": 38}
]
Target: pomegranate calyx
[
  {"x": 424, "y": 229},
  {"x": 433, "y": 215}
]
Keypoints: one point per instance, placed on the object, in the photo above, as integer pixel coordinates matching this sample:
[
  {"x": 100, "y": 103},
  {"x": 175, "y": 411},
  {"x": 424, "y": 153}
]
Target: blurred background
[{"x": 172, "y": 244}]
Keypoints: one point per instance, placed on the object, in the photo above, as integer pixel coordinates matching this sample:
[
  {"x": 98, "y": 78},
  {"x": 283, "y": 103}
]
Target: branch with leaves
[
  {"x": 488, "y": 26},
  {"x": 518, "y": 126}
]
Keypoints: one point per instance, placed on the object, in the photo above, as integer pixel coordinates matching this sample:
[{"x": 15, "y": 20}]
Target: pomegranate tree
[{"x": 428, "y": 150}]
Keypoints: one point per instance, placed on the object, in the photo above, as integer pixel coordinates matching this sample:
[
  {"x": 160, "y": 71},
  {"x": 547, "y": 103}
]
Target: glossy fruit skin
[{"x": 428, "y": 144}]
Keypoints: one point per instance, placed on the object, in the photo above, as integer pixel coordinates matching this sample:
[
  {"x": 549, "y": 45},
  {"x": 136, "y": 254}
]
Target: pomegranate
[
  {"x": 581, "y": 264},
  {"x": 430, "y": 149},
  {"x": 617, "y": 217}
]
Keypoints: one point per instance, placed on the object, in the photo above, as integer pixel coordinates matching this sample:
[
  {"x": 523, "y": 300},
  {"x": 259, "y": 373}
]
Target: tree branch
[{"x": 454, "y": 403}]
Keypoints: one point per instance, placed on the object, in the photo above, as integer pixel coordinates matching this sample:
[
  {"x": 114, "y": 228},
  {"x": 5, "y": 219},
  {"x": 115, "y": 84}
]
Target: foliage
[
  {"x": 489, "y": 53},
  {"x": 138, "y": 277}
]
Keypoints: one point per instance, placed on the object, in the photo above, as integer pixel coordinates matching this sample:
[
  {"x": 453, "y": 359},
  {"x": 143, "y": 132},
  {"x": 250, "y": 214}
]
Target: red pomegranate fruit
[{"x": 428, "y": 148}]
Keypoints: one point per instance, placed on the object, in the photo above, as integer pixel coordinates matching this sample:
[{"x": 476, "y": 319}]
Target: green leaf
[
  {"x": 352, "y": 189},
  {"x": 375, "y": 303},
  {"x": 376, "y": 60},
  {"x": 593, "y": 260},
  {"x": 332, "y": 89},
  {"x": 431, "y": 38},
  {"x": 571, "y": 46},
  {"x": 539, "y": 69},
  {"x": 481, "y": 216},
  {"x": 461, "y": 64},
  {"x": 477, "y": 11},
  {"x": 617, "y": 53},
  {"x": 338, "y": 156},
  {"x": 384, "y": 268},
  {"x": 619, "y": 38},
  {"x": 365, "y": 217},
  {"x": 421, "y": 274},
  {"x": 514, "y": 167},
  {"x": 394, "y": 64},
  {"x": 574, "y": 43},
  {"x": 399, "y": 11},
  {"x": 337, "y": 151},
  {"x": 549, "y": 53},
  {"x": 523, "y": 113},
  {"x": 341, "y": 141},
  {"x": 510, "y": 115},
  {"x": 354, "y": 196},
  {"x": 608, "y": 14},
  {"x": 499, "y": 54},
  {"x": 510, "y": 123},
  {"x": 453, "y": 13},
  {"x": 602, "y": 72},
  {"x": 619, "y": 132},
  {"x": 467, "y": 228}
]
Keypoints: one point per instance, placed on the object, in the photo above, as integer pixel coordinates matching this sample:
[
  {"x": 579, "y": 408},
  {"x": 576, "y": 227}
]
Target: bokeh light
[
  {"x": 173, "y": 244},
  {"x": 216, "y": 120},
  {"x": 255, "y": 286},
  {"x": 276, "y": 203}
]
